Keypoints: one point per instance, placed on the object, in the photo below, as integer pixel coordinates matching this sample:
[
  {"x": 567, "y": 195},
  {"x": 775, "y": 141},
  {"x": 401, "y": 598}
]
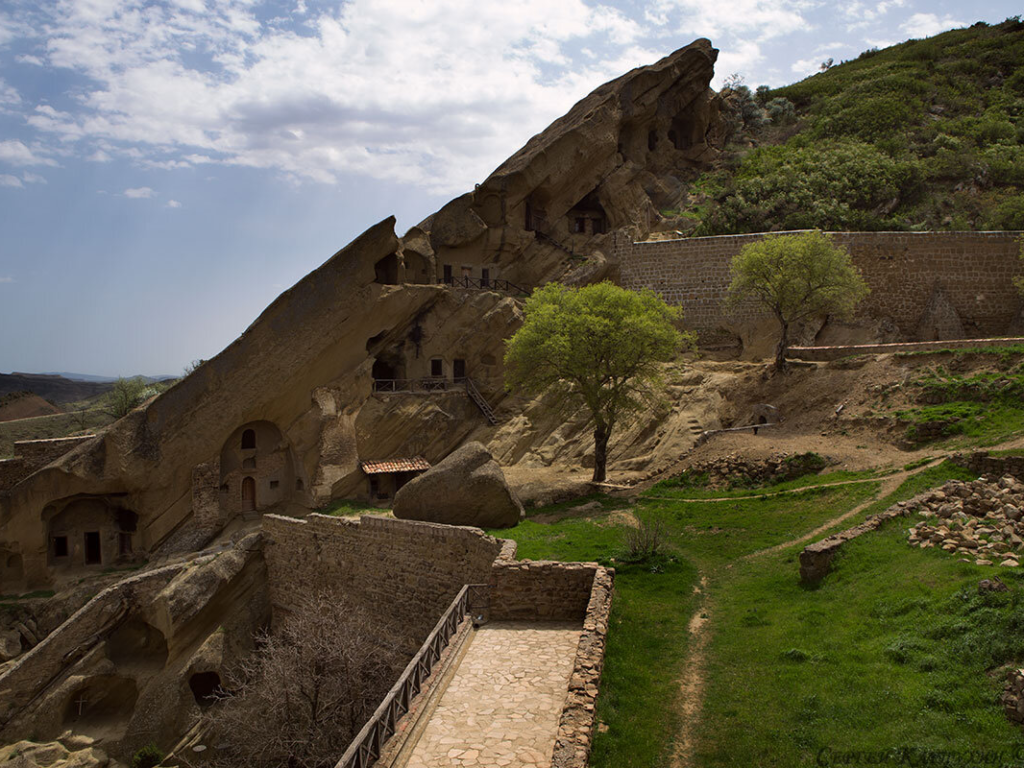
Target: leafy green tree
[
  {"x": 599, "y": 347},
  {"x": 126, "y": 395},
  {"x": 795, "y": 277}
]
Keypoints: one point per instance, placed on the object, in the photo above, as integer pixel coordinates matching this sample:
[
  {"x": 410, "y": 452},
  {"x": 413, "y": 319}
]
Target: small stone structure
[
  {"x": 734, "y": 470},
  {"x": 1012, "y": 697},
  {"x": 982, "y": 463}
]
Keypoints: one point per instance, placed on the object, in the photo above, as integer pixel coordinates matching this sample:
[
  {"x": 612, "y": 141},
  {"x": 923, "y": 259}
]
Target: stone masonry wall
[
  {"x": 540, "y": 590},
  {"x": 31, "y": 455},
  {"x": 406, "y": 571},
  {"x": 984, "y": 464},
  {"x": 974, "y": 269}
]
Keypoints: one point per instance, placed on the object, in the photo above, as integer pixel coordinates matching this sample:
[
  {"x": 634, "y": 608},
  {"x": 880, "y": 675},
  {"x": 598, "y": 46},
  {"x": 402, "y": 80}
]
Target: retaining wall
[
  {"x": 31, "y": 455},
  {"x": 975, "y": 270}
]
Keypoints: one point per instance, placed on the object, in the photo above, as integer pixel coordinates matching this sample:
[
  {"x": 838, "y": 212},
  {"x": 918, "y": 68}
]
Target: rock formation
[
  {"x": 367, "y": 357},
  {"x": 467, "y": 488}
]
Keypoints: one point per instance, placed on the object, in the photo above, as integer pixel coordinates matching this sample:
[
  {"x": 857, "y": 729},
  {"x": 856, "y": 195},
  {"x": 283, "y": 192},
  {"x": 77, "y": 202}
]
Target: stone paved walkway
[{"x": 501, "y": 708}]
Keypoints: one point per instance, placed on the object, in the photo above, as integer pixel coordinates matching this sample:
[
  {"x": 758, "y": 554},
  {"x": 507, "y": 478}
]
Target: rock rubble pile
[{"x": 982, "y": 520}]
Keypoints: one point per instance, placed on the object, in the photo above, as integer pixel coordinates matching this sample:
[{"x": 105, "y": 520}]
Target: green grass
[
  {"x": 971, "y": 424},
  {"x": 349, "y": 507},
  {"x": 890, "y": 651},
  {"x": 677, "y": 489}
]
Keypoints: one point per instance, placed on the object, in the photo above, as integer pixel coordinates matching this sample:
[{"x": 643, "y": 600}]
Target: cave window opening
[
  {"x": 60, "y": 546},
  {"x": 459, "y": 370},
  {"x": 437, "y": 367},
  {"x": 249, "y": 440},
  {"x": 298, "y": 484},
  {"x": 93, "y": 551},
  {"x": 598, "y": 226},
  {"x": 386, "y": 270},
  {"x": 448, "y": 277},
  {"x": 205, "y": 687},
  {"x": 580, "y": 225},
  {"x": 485, "y": 278},
  {"x": 274, "y": 484},
  {"x": 652, "y": 140}
]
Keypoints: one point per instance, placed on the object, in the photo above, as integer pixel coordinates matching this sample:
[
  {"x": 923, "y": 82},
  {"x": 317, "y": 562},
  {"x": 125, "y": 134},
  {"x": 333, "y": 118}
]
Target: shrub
[
  {"x": 147, "y": 757},
  {"x": 645, "y": 541}
]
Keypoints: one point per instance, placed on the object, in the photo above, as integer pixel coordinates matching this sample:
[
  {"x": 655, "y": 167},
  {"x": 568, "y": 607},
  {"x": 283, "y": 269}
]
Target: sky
[{"x": 168, "y": 167}]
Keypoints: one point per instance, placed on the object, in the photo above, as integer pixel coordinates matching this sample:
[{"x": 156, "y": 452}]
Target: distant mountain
[
  {"x": 102, "y": 379},
  {"x": 57, "y": 389}
]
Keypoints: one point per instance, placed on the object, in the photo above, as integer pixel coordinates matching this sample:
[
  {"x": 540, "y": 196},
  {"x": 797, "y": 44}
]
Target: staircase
[
  {"x": 476, "y": 397},
  {"x": 543, "y": 236}
]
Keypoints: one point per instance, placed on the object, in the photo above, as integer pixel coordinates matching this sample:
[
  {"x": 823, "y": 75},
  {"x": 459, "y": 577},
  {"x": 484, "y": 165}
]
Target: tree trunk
[
  {"x": 782, "y": 347},
  {"x": 601, "y": 434}
]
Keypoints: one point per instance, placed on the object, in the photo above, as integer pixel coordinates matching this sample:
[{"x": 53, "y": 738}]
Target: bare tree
[{"x": 302, "y": 696}]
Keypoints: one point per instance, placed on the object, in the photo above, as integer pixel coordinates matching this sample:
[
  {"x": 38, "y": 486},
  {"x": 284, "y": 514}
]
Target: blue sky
[{"x": 167, "y": 167}]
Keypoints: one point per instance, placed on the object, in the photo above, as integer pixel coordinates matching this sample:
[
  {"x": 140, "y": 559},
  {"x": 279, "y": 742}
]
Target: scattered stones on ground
[{"x": 981, "y": 520}]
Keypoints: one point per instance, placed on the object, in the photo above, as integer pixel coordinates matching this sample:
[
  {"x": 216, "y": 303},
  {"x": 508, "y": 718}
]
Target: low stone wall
[
  {"x": 816, "y": 559},
  {"x": 405, "y": 571},
  {"x": 541, "y": 591},
  {"x": 984, "y": 464},
  {"x": 31, "y": 455},
  {"x": 834, "y": 353},
  {"x": 576, "y": 724},
  {"x": 32, "y": 672}
]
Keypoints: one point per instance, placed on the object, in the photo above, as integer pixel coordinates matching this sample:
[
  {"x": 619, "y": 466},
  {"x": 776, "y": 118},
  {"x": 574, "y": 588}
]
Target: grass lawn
[{"x": 890, "y": 652}]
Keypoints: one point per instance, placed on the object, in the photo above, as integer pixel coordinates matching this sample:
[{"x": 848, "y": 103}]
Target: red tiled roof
[{"x": 415, "y": 464}]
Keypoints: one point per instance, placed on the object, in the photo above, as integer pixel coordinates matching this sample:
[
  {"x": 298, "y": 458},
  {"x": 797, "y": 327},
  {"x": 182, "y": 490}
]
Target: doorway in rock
[
  {"x": 93, "y": 553},
  {"x": 248, "y": 495},
  {"x": 459, "y": 370}
]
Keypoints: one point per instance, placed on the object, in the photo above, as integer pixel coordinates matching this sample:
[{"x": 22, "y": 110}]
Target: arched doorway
[{"x": 248, "y": 494}]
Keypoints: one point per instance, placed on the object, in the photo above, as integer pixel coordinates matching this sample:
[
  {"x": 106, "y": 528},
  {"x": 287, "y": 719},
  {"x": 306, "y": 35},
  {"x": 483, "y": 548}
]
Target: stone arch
[{"x": 266, "y": 470}]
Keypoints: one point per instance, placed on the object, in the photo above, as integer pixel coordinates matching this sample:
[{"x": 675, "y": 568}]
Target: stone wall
[
  {"x": 974, "y": 270},
  {"x": 983, "y": 464},
  {"x": 31, "y": 455},
  {"x": 541, "y": 591},
  {"x": 408, "y": 572}
]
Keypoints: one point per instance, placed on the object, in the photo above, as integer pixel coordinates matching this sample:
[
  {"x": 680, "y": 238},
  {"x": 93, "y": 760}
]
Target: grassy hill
[{"x": 925, "y": 135}]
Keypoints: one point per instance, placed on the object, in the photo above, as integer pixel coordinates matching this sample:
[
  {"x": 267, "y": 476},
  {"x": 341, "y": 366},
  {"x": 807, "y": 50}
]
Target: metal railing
[
  {"x": 490, "y": 284},
  {"x": 416, "y": 385},
  {"x": 367, "y": 745}
]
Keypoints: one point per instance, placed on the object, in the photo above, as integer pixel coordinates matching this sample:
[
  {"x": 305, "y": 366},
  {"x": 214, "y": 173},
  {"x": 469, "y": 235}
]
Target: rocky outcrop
[
  {"x": 467, "y": 488},
  {"x": 29, "y": 754}
]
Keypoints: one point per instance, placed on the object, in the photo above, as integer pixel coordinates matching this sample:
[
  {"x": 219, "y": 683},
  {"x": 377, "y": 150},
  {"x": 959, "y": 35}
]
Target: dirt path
[{"x": 691, "y": 684}]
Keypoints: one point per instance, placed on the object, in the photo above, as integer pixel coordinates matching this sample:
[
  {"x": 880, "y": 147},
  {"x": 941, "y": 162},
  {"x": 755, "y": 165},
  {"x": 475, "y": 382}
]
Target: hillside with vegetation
[{"x": 925, "y": 135}]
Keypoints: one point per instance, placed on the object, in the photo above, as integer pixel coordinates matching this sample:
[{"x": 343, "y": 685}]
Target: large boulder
[{"x": 467, "y": 488}]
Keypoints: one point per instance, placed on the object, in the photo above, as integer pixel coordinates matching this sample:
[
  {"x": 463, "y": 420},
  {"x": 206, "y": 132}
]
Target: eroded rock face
[
  {"x": 467, "y": 488},
  {"x": 28, "y": 754}
]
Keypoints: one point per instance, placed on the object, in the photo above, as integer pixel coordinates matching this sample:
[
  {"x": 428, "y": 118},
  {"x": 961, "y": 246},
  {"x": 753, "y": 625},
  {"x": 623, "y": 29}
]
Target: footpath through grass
[{"x": 893, "y": 652}]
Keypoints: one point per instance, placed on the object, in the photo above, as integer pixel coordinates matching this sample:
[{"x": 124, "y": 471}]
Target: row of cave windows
[{"x": 93, "y": 550}]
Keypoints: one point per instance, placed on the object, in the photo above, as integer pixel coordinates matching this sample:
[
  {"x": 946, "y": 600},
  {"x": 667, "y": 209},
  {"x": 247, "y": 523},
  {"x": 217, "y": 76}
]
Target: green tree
[
  {"x": 126, "y": 394},
  {"x": 599, "y": 347},
  {"x": 795, "y": 277}
]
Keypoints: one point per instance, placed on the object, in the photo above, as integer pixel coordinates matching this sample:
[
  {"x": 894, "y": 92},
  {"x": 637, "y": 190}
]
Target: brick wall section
[
  {"x": 976, "y": 270},
  {"x": 541, "y": 591},
  {"x": 406, "y": 571},
  {"x": 206, "y": 496},
  {"x": 31, "y": 455},
  {"x": 576, "y": 724}
]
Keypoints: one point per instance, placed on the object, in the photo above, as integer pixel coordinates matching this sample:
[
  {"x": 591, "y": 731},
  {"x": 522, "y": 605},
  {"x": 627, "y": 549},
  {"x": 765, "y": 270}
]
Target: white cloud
[
  {"x": 139, "y": 193},
  {"x": 99, "y": 156},
  {"x": 6, "y": 180},
  {"x": 741, "y": 58},
  {"x": 764, "y": 18},
  {"x": 32, "y": 178},
  {"x": 15, "y": 152},
  {"x": 6, "y": 279},
  {"x": 9, "y": 95},
  {"x": 29, "y": 59},
  {"x": 428, "y": 93},
  {"x": 928, "y": 24},
  {"x": 173, "y": 204}
]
